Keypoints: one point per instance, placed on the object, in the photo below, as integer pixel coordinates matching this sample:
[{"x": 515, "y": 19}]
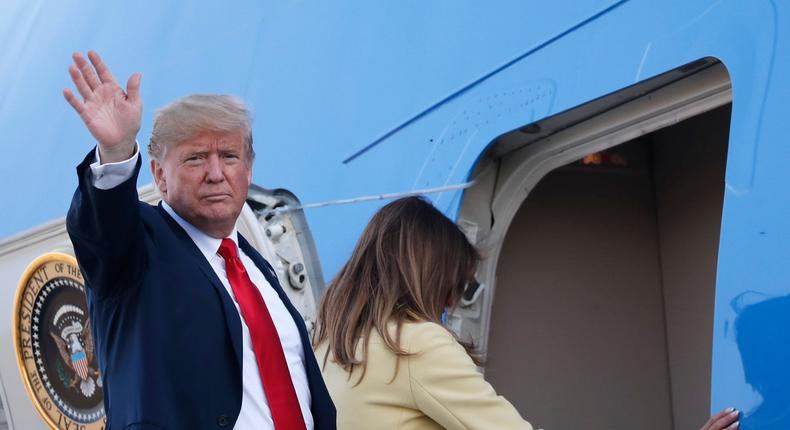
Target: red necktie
[{"x": 273, "y": 368}]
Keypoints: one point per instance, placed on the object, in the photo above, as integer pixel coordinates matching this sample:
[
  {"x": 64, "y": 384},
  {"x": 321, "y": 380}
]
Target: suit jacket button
[{"x": 223, "y": 421}]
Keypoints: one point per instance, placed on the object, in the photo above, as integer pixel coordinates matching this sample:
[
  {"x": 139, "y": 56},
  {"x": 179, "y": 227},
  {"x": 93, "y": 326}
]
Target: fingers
[
  {"x": 726, "y": 419},
  {"x": 719, "y": 415},
  {"x": 79, "y": 81},
  {"x": 88, "y": 77},
  {"x": 73, "y": 101},
  {"x": 87, "y": 71},
  {"x": 133, "y": 88},
  {"x": 104, "y": 73},
  {"x": 708, "y": 424},
  {"x": 733, "y": 426}
]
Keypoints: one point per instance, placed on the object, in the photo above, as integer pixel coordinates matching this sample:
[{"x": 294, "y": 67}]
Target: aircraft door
[{"x": 278, "y": 229}]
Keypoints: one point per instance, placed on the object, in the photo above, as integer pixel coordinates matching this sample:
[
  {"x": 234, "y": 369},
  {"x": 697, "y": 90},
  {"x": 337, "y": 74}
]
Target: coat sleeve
[
  {"x": 448, "y": 388},
  {"x": 107, "y": 232}
]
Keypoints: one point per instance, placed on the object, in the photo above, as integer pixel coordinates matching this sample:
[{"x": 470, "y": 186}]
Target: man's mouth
[{"x": 216, "y": 197}]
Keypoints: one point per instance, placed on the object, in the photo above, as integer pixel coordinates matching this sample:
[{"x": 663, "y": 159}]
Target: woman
[{"x": 387, "y": 360}]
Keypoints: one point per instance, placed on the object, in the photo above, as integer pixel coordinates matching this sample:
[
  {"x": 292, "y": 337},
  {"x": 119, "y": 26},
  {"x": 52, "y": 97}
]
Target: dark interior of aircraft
[{"x": 602, "y": 315}]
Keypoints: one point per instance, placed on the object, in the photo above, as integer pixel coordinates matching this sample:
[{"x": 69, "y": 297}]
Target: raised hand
[{"x": 111, "y": 115}]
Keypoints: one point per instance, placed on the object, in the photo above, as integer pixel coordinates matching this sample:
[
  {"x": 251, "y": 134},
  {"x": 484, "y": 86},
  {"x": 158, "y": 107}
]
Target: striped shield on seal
[{"x": 80, "y": 363}]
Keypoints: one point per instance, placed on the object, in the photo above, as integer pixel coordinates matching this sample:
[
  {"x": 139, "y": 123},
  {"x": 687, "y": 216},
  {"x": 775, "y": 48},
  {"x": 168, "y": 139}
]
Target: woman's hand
[{"x": 726, "y": 419}]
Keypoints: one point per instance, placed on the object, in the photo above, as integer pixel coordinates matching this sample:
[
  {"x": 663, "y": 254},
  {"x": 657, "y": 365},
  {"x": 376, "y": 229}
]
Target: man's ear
[{"x": 159, "y": 177}]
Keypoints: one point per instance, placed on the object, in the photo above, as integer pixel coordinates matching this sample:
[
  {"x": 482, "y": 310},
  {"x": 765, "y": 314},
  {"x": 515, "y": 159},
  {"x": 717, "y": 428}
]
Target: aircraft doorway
[
  {"x": 605, "y": 285},
  {"x": 599, "y": 228}
]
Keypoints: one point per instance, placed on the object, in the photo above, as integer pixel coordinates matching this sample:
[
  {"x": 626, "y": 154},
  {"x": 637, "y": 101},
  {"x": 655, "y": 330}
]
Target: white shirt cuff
[{"x": 110, "y": 175}]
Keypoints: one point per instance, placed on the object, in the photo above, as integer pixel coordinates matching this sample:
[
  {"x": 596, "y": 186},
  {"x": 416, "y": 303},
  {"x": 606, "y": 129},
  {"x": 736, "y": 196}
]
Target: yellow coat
[{"x": 438, "y": 387}]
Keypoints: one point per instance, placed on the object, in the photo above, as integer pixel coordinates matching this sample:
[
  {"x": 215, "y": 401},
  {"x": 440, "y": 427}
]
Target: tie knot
[{"x": 227, "y": 249}]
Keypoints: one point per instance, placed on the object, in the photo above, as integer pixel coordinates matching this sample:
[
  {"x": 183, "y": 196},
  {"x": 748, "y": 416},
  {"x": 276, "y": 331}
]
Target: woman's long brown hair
[{"x": 410, "y": 263}]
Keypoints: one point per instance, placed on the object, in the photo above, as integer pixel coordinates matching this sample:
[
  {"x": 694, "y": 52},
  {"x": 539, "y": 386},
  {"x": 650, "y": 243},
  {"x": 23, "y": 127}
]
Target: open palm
[{"x": 111, "y": 115}]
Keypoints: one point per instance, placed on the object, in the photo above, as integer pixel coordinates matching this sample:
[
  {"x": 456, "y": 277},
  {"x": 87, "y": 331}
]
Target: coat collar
[{"x": 207, "y": 245}]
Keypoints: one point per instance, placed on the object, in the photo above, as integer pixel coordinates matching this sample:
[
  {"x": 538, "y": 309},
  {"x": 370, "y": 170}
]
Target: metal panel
[{"x": 4, "y": 420}]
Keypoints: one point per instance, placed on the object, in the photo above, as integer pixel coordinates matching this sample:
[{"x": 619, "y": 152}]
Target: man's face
[{"x": 205, "y": 180}]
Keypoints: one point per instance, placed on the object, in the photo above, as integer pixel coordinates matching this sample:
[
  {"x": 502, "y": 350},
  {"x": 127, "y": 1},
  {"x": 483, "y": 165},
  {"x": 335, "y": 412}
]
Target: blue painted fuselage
[{"x": 361, "y": 98}]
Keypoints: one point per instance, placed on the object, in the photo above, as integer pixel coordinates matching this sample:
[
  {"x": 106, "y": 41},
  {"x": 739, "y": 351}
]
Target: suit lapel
[
  {"x": 232, "y": 318},
  {"x": 322, "y": 407},
  {"x": 271, "y": 277}
]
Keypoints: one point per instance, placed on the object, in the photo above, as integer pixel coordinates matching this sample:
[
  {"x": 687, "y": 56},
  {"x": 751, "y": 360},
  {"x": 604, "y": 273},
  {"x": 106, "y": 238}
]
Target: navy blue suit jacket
[{"x": 167, "y": 334}]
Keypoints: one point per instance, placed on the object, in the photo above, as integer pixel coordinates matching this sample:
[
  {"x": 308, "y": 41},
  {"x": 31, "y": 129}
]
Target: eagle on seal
[{"x": 75, "y": 344}]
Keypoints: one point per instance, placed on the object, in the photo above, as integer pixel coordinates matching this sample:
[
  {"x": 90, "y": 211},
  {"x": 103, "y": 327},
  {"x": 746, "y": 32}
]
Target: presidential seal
[{"x": 54, "y": 345}]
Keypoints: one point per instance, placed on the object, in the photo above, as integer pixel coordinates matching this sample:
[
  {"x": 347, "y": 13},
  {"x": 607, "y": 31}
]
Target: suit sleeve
[
  {"x": 105, "y": 227},
  {"x": 448, "y": 388}
]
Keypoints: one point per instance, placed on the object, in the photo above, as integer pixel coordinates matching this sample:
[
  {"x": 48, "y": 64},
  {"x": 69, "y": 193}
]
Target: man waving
[{"x": 192, "y": 329}]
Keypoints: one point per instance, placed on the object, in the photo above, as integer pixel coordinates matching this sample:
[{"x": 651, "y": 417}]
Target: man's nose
[{"x": 214, "y": 172}]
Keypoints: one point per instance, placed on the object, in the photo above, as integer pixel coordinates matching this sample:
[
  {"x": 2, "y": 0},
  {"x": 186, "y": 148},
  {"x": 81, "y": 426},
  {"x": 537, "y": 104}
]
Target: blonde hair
[
  {"x": 410, "y": 263},
  {"x": 184, "y": 118}
]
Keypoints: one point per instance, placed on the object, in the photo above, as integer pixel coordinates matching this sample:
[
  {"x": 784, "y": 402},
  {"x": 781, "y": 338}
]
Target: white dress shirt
[{"x": 255, "y": 413}]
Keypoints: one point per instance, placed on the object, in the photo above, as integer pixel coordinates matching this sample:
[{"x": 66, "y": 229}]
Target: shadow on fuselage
[{"x": 762, "y": 332}]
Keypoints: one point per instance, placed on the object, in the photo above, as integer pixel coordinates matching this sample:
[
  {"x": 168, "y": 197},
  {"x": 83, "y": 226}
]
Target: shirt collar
[{"x": 205, "y": 243}]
